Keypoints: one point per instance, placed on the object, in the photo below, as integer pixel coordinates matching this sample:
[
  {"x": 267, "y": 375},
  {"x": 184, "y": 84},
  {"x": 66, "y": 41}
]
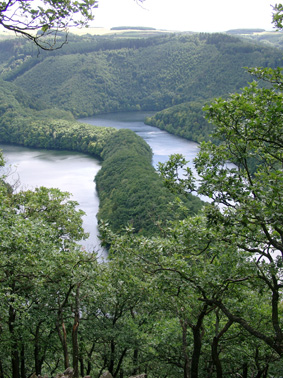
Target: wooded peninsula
[{"x": 191, "y": 289}]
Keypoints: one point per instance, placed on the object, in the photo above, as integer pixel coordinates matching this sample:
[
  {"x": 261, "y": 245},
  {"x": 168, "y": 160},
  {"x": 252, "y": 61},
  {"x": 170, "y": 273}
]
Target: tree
[
  {"x": 250, "y": 128},
  {"x": 41, "y": 265},
  {"x": 242, "y": 176},
  {"x": 278, "y": 16},
  {"x": 186, "y": 272},
  {"x": 41, "y": 21}
]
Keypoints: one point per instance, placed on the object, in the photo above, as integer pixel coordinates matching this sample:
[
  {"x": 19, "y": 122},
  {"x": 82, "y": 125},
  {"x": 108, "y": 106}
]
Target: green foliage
[
  {"x": 246, "y": 208},
  {"x": 185, "y": 120},
  {"x": 54, "y": 134},
  {"x": 181, "y": 270},
  {"x": 130, "y": 191},
  {"x": 40, "y": 259},
  {"x": 182, "y": 294},
  {"x": 278, "y": 15},
  {"x": 24, "y": 122},
  {"x": 46, "y": 18},
  {"x": 97, "y": 74}
]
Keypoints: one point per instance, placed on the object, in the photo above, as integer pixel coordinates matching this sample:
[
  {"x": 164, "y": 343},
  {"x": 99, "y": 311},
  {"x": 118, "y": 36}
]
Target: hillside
[
  {"x": 184, "y": 292},
  {"x": 41, "y": 93},
  {"x": 130, "y": 190},
  {"x": 186, "y": 120},
  {"x": 269, "y": 38},
  {"x": 98, "y": 74}
]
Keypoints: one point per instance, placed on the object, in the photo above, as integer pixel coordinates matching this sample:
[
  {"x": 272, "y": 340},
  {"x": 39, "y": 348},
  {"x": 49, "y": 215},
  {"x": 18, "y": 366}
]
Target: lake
[{"x": 74, "y": 172}]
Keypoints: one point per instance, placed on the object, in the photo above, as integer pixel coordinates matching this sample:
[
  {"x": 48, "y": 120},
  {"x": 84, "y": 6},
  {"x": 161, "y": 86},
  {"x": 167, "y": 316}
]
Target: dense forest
[
  {"x": 186, "y": 120},
  {"x": 190, "y": 289},
  {"x": 94, "y": 75},
  {"x": 98, "y": 74},
  {"x": 141, "y": 200}
]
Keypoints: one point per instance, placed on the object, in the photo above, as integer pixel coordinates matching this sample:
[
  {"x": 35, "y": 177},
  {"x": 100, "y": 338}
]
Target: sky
[{"x": 186, "y": 15}]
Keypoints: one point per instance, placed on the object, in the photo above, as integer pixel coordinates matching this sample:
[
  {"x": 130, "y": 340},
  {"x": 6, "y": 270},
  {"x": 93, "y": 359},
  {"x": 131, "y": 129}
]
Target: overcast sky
[{"x": 186, "y": 15}]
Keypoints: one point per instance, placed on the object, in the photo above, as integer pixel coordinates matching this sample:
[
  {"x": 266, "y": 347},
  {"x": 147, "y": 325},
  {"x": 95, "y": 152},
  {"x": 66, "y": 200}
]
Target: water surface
[
  {"x": 161, "y": 142},
  {"x": 74, "y": 172},
  {"x": 71, "y": 172}
]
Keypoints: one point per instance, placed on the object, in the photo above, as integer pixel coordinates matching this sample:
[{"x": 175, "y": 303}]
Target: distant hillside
[
  {"x": 268, "y": 38},
  {"x": 244, "y": 31},
  {"x": 132, "y": 28},
  {"x": 101, "y": 74}
]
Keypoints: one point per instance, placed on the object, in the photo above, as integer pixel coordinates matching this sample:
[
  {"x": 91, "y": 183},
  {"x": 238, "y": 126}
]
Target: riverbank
[{"x": 130, "y": 191}]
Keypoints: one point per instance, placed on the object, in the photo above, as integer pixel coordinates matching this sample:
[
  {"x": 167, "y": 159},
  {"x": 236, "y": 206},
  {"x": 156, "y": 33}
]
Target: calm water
[
  {"x": 68, "y": 171},
  {"x": 162, "y": 143},
  {"x": 74, "y": 172}
]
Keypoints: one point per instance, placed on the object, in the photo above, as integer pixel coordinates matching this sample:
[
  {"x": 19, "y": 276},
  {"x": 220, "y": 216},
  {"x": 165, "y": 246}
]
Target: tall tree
[
  {"x": 242, "y": 176},
  {"x": 246, "y": 196},
  {"x": 39, "y": 231}
]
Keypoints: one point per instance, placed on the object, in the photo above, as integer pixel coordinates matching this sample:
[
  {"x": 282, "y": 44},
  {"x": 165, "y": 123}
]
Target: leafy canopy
[
  {"x": 37, "y": 20},
  {"x": 45, "y": 17}
]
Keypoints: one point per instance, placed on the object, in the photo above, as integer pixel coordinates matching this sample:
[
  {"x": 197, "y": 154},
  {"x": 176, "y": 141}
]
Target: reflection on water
[
  {"x": 68, "y": 171},
  {"x": 161, "y": 142},
  {"x": 74, "y": 172}
]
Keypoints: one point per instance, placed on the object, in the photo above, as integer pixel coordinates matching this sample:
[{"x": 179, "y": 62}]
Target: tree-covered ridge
[
  {"x": 186, "y": 120},
  {"x": 113, "y": 74},
  {"x": 269, "y": 38},
  {"x": 14, "y": 99},
  {"x": 203, "y": 298},
  {"x": 21, "y": 123},
  {"x": 130, "y": 191},
  {"x": 54, "y": 134}
]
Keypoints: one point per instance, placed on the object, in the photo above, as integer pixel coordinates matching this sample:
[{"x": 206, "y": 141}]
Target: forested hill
[
  {"x": 42, "y": 92},
  {"x": 130, "y": 190},
  {"x": 96, "y": 74}
]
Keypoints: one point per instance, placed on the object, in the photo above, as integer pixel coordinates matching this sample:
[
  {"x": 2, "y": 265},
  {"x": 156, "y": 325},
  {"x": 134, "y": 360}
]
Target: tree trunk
[
  {"x": 15, "y": 359},
  {"x": 63, "y": 338},
  {"x": 196, "y": 352},
  {"x": 197, "y": 343},
  {"x": 245, "y": 370},
  {"x": 89, "y": 354},
  {"x": 15, "y": 362},
  {"x": 82, "y": 367},
  {"x": 214, "y": 347},
  {"x": 37, "y": 360},
  {"x": 61, "y": 329},
  {"x": 1, "y": 370},
  {"x": 120, "y": 362},
  {"x": 23, "y": 367},
  {"x": 135, "y": 362},
  {"x": 65, "y": 346},
  {"x": 75, "y": 334},
  {"x": 112, "y": 353},
  {"x": 184, "y": 325},
  {"x": 215, "y": 357}
]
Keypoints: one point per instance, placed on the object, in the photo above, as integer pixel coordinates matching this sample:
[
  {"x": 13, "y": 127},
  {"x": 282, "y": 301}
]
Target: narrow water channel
[
  {"x": 161, "y": 142},
  {"x": 74, "y": 172}
]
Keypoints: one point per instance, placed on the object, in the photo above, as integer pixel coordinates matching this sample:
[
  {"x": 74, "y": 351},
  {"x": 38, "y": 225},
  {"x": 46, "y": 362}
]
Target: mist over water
[{"x": 75, "y": 172}]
